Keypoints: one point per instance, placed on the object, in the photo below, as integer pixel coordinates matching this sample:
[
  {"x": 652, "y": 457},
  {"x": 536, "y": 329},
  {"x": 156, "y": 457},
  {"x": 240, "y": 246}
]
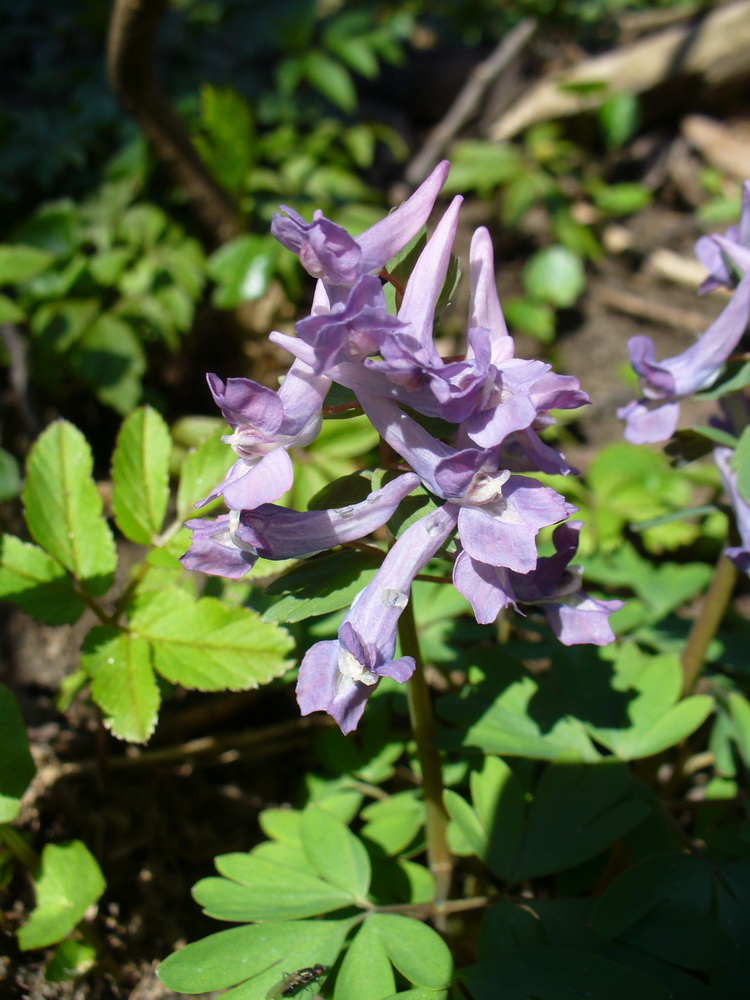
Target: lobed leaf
[
  {"x": 69, "y": 882},
  {"x": 335, "y": 853}
]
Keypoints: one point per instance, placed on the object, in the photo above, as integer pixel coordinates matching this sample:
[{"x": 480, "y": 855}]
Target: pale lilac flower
[
  {"x": 265, "y": 424},
  {"x": 328, "y": 252},
  {"x": 665, "y": 383},
  {"x": 337, "y": 676},
  {"x": 726, "y": 256},
  {"x": 739, "y": 554},
  {"x": 230, "y": 544},
  {"x": 499, "y": 514},
  {"x": 553, "y": 585}
]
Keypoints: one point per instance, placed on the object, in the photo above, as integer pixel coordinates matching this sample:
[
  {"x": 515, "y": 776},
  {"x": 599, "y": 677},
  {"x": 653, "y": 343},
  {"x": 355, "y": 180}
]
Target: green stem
[
  {"x": 423, "y": 726},
  {"x": 705, "y": 626},
  {"x": 18, "y": 847}
]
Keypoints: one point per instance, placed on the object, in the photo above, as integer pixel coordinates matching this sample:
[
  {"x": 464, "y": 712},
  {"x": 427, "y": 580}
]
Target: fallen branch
[
  {"x": 717, "y": 48},
  {"x": 469, "y": 99}
]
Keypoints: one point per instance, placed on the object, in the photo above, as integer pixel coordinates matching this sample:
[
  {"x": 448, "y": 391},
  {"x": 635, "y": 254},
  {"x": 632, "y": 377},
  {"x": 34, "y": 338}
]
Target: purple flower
[
  {"x": 665, "y": 383},
  {"x": 725, "y": 256},
  {"x": 328, "y": 252},
  {"x": 739, "y": 554},
  {"x": 554, "y": 585},
  {"x": 230, "y": 544},
  {"x": 349, "y": 331},
  {"x": 498, "y": 514},
  {"x": 337, "y": 676},
  {"x": 265, "y": 424}
]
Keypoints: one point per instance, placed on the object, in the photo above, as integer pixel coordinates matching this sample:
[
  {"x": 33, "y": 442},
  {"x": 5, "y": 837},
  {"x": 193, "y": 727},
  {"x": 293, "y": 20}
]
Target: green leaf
[
  {"x": 645, "y": 707},
  {"x": 546, "y": 972},
  {"x": 393, "y": 823},
  {"x": 741, "y": 464},
  {"x": 495, "y": 826},
  {"x": 242, "y": 270},
  {"x": 19, "y": 263},
  {"x": 618, "y": 117},
  {"x": 578, "y": 811},
  {"x": 10, "y": 312},
  {"x": 256, "y": 888},
  {"x": 554, "y": 275},
  {"x": 260, "y": 953},
  {"x": 366, "y": 972},
  {"x": 122, "y": 682},
  {"x": 69, "y": 882},
  {"x": 417, "y": 951},
  {"x": 204, "y": 645},
  {"x": 140, "y": 475},
  {"x": 335, "y": 853},
  {"x": 332, "y": 80},
  {"x": 532, "y": 317},
  {"x": 16, "y": 765},
  {"x": 10, "y": 476},
  {"x": 71, "y": 959},
  {"x": 320, "y": 585},
  {"x": 110, "y": 358},
  {"x": 621, "y": 199},
  {"x": 64, "y": 509},
  {"x": 203, "y": 468},
  {"x": 512, "y": 712},
  {"x": 37, "y": 583}
]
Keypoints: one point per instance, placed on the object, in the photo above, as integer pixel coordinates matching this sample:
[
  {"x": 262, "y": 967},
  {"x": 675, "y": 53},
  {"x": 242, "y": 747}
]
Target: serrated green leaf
[
  {"x": 37, "y": 583},
  {"x": 69, "y": 882},
  {"x": 255, "y": 888},
  {"x": 19, "y": 263},
  {"x": 335, "y": 853},
  {"x": 202, "y": 469},
  {"x": 122, "y": 682},
  {"x": 204, "y": 645},
  {"x": 140, "y": 475},
  {"x": 259, "y": 952},
  {"x": 64, "y": 509},
  {"x": 366, "y": 972},
  {"x": 16, "y": 764}
]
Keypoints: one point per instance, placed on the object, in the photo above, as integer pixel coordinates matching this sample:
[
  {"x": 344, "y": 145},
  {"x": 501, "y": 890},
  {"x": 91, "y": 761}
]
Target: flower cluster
[
  {"x": 665, "y": 383},
  {"x": 486, "y": 511}
]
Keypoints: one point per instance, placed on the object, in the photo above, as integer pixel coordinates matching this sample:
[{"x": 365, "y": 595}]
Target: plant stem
[
  {"x": 18, "y": 847},
  {"x": 423, "y": 726},
  {"x": 706, "y": 624}
]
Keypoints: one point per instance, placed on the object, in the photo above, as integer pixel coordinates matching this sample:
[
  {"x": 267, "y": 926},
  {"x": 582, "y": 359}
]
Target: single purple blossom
[
  {"x": 265, "y": 423},
  {"x": 553, "y": 585},
  {"x": 337, "y": 676},
  {"x": 725, "y": 256},
  {"x": 739, "y": 554},
  {"x": 499, "y": 514},
  {"x": 665, "y": 383},
  {"x": 230, "y": 544},
  {"x": 328, "y": 252}
]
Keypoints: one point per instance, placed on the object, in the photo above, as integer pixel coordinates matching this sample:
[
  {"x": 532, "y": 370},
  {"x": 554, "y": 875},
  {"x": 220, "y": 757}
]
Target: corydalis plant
[{"x": 483, "y": 512}]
